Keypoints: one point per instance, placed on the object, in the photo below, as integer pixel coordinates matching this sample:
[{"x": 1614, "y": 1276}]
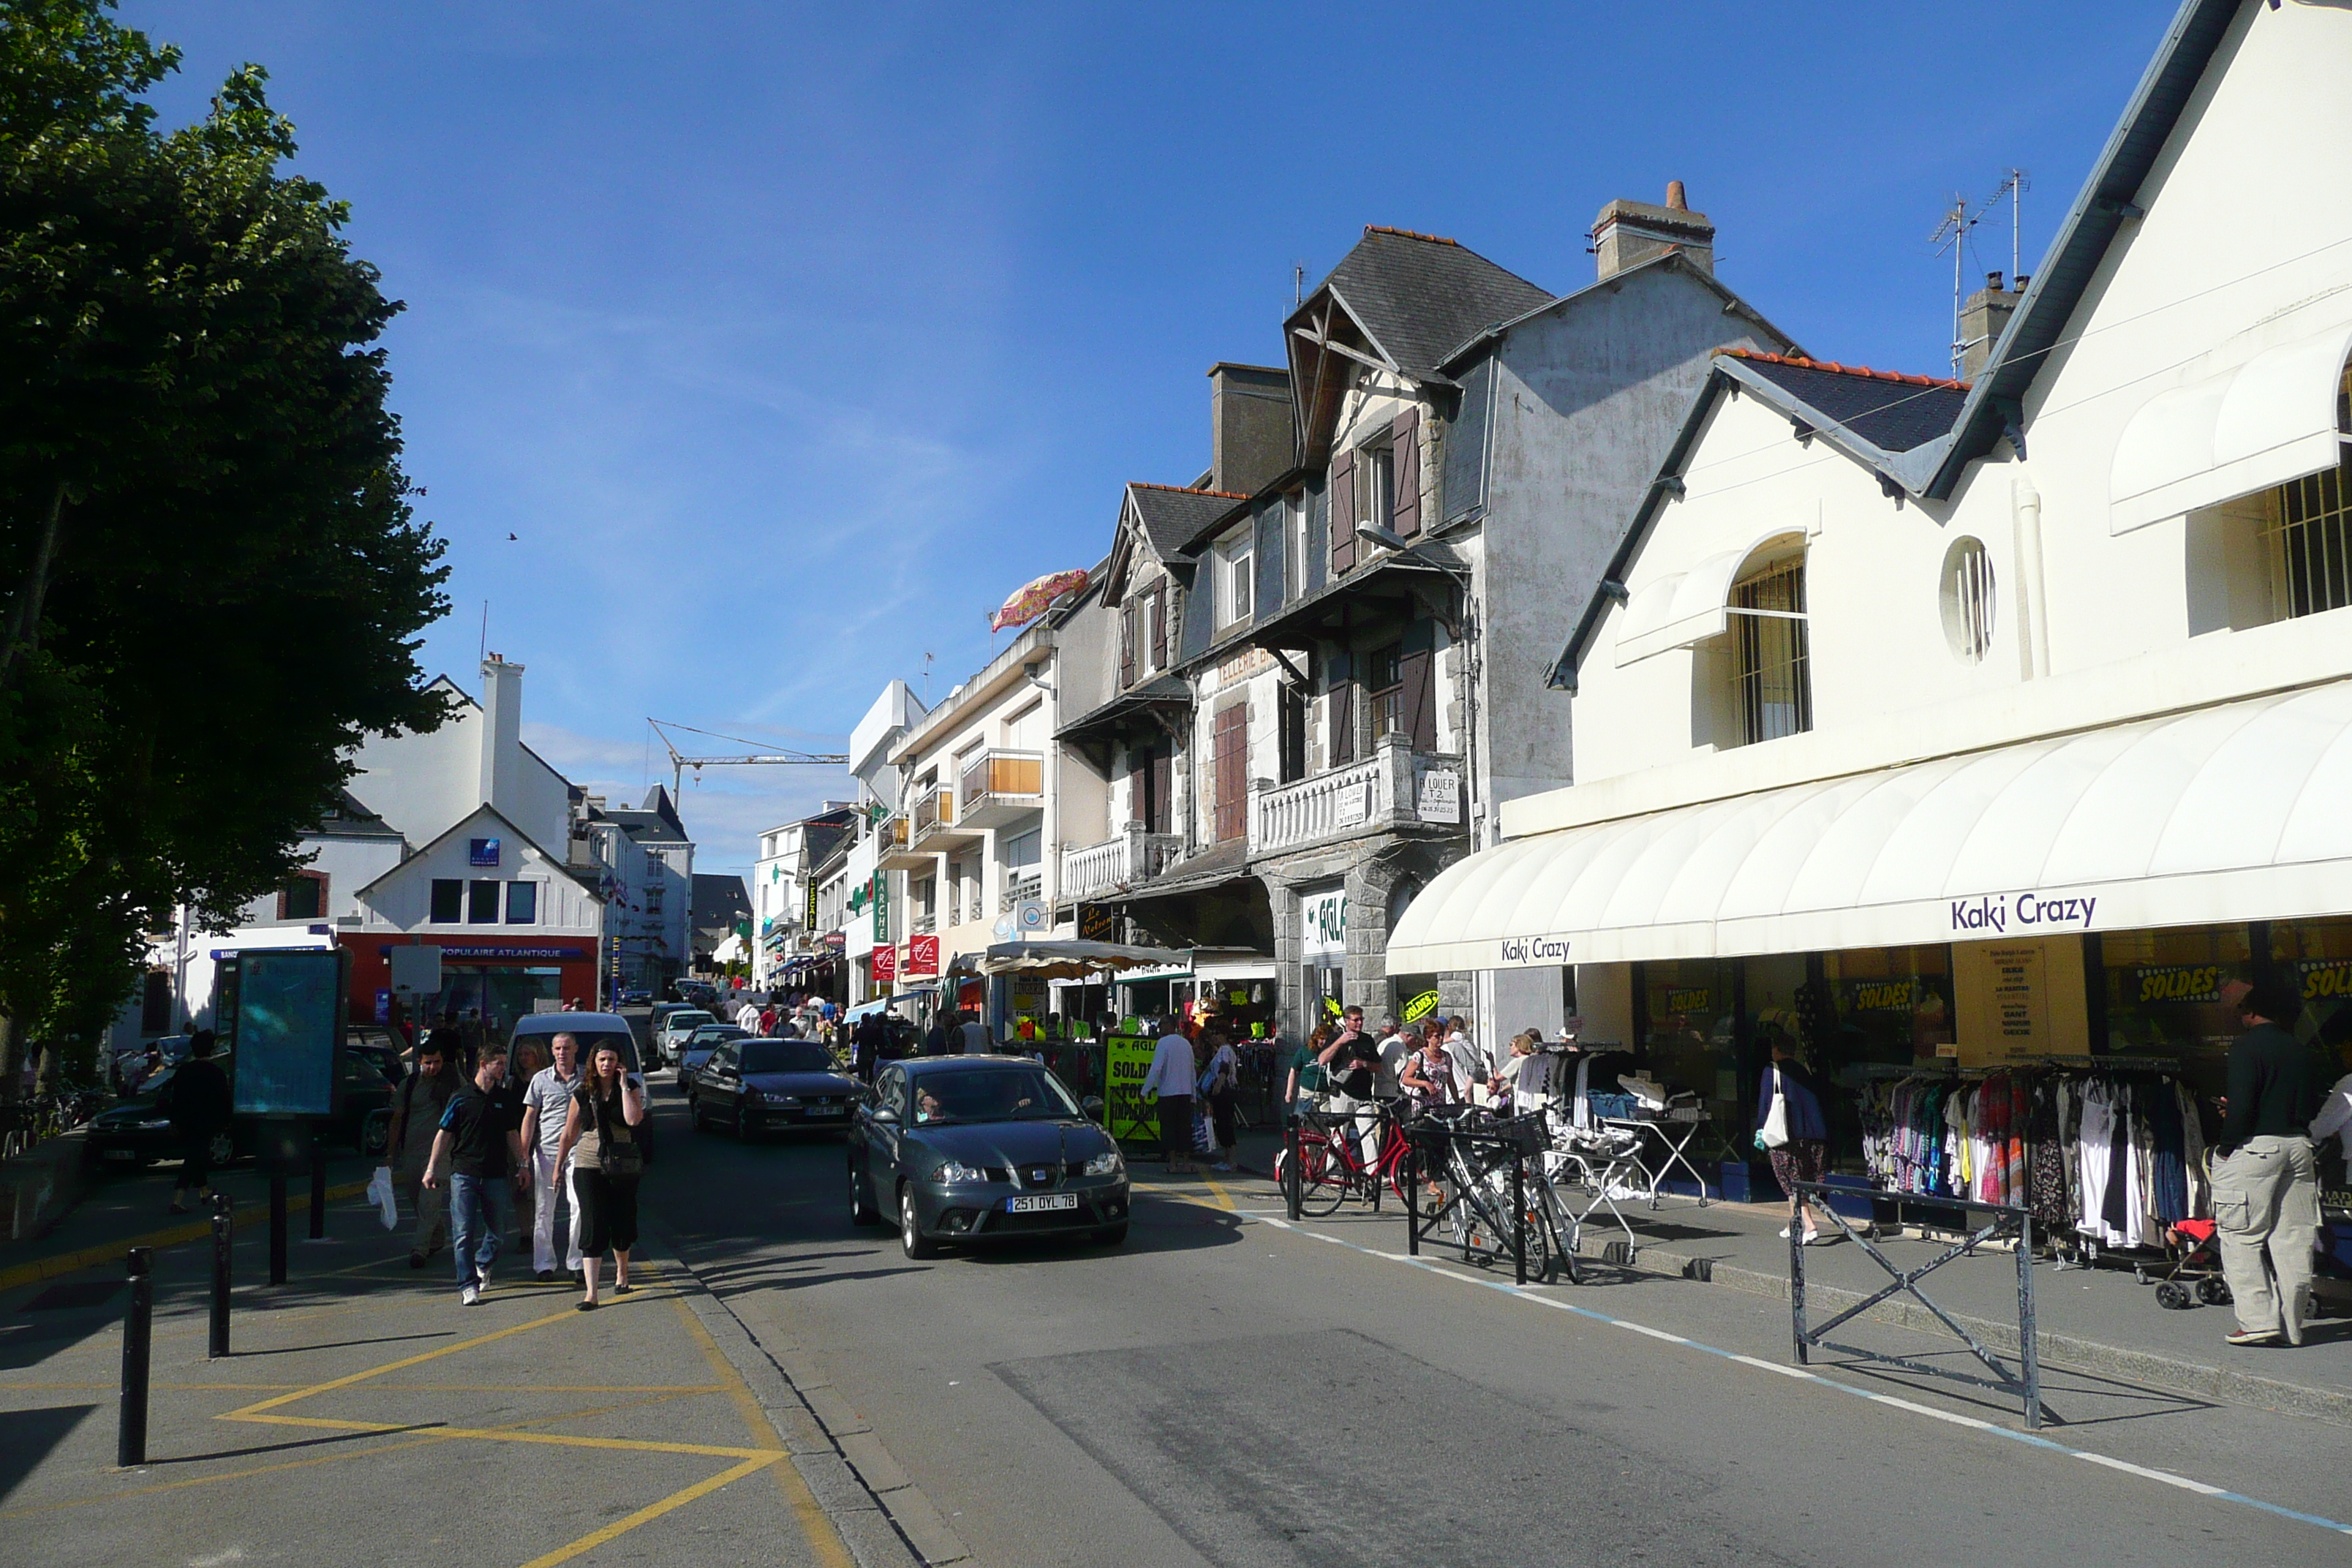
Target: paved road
[{"x": 1227, "y": 1389}]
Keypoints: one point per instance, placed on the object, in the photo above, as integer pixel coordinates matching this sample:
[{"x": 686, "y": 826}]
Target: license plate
[
  {"x": 827, "y": 1110},
  {"x": 1048, "y": 1204},
  {"x": 121, "y": 1154}
]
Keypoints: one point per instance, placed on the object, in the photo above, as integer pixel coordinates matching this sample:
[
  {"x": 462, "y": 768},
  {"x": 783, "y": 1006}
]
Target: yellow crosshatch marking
[{"x": 278, "y": 1410}]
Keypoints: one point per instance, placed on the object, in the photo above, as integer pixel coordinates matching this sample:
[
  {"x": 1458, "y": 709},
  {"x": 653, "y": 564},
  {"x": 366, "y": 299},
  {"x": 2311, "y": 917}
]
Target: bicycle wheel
[{"x": 1323, "y": 1175}]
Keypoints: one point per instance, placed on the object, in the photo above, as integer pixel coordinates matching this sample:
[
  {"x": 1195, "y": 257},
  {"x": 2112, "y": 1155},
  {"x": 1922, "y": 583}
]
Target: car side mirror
[
  {"x": 884, "y": 1113},
  {"x": 1093, "y": 1106}
]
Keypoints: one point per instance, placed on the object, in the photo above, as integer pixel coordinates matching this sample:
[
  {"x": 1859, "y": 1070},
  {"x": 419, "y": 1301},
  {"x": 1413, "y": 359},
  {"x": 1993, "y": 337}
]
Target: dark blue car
[
  {"x": 971, "y": 1149},
  {"x": 754, "y": 1086}
]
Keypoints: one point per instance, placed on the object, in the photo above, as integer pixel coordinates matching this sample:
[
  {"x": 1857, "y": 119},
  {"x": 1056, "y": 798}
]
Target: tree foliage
[{"x": 217, "y": 582}]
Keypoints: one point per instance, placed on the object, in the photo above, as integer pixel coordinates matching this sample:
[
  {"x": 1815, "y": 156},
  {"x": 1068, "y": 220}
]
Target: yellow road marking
[
  {"x": 1224, "y": 1198},
  {"x": 345, "y": 1381},
  {"x": 652, "y": 1512},
  {"x": 176, "y": 1387},
  {"x": 502, "y": 1435},
  {"x": 815, "y": 1524}
]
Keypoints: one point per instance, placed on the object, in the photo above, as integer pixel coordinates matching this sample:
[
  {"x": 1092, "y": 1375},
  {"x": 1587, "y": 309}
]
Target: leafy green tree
[{"x": 217, "y": 580}]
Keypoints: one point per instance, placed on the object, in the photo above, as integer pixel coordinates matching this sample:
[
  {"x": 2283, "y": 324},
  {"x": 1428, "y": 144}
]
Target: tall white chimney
[{"x": 501, "y": 733}]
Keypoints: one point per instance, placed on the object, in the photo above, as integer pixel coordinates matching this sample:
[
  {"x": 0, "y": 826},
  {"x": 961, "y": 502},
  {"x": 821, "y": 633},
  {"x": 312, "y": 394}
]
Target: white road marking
[{"x": 2031, "y": 1439}]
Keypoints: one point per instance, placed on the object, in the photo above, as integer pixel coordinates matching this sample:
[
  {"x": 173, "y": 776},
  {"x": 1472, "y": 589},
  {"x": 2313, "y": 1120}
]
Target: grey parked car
[{"x": 967, "y": 1148}]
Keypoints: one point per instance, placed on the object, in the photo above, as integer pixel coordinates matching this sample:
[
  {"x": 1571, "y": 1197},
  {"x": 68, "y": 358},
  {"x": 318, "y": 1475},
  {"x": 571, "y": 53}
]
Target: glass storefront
[{"x": 1894, "y": 1006}]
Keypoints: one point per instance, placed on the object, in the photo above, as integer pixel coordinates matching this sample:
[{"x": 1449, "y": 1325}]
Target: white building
[
  {"x": 785, "y": 933},
  {"x": 462, "y": 838},
  {"x": 1998, "y": 719}
]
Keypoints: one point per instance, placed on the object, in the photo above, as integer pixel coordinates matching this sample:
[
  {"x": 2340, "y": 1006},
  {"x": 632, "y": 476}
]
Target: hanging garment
[
  {"x": 2170, "y": 1177},
  {"x": 2096, "y": 1153},
  {"x": 2046, "y": 1193}
]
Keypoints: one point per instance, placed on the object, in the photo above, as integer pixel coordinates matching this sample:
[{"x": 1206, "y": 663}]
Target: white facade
[{"x": 2078, "y": 687}]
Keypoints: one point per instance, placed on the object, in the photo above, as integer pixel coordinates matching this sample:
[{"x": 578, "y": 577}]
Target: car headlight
[
  {"x": 154, "y": 1123},
  {"x": 1106, "y": 1165},
  {"x": 952, "y": 1172},
  {"x": 789, "y": 1099}
]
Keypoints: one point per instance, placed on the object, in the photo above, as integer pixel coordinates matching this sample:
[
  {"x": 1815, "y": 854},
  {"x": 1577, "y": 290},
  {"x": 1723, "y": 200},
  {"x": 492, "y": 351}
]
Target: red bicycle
[{"x": 1332, "y": 1167}]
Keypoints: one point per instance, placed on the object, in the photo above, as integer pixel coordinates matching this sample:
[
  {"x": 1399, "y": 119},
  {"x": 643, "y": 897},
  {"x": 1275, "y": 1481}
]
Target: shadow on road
[{"x": 32, "y": 1434}]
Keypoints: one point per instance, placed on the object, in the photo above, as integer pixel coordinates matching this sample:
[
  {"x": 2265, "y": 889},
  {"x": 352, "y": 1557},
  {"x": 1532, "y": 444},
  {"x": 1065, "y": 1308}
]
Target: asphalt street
[{"x": 1229, "y": 1389}]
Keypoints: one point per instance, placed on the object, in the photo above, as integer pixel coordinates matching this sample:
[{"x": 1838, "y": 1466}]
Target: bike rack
[
  {"x": 1417, "y": 1229},
  {"x": 2005, "y": 1223}
]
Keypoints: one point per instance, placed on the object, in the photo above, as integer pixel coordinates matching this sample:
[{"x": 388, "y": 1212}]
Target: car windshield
[
  {"x": 686, "y": 1019},
  {"x": 991, "y": 1094},
  {"x": 786, "y": 1056},
  {"x": 593, "y": 1040}
]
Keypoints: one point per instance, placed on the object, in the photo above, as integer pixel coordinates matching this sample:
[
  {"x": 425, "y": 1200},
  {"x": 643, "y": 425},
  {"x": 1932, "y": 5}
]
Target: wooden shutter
[
  {"x": 1138, "y": 785},
  {"x": 1417, "y": 680},
  {"x": 1232, "y": 755},
  {"x": 1404, "y": 457},
  {"x": 1343, "y": 511},
  {"x": 1163, "y": 760},
  {"x": 1343, "y": 709},
  {"x": 1127, "y": 644},
  {"x": 1159, "y": 626}
]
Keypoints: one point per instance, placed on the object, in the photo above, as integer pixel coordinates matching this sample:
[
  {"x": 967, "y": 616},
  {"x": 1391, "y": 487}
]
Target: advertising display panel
[{"x": 284, "y": 1027}]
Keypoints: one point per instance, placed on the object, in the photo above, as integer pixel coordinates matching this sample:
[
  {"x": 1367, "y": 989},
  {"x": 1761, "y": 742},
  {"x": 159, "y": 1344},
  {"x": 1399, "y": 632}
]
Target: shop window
[
  {"x": 304, "y": 897},
  {"x": 1772, "y": 679},
  {"x": 482, "y": 903},
  {"x": 449, "y": 901},
  {"x": 1894, "y": 1005},
  {"x": 522, "y": 903},
  {"x": 1967, "y": 600}
]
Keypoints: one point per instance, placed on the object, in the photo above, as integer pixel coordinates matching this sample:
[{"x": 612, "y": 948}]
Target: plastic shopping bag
[{"x": 378, "y": 1192}]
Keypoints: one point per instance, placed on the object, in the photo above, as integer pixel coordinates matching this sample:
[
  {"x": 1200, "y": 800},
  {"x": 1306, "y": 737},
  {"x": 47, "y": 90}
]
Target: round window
[{"x": 1967, "y": 596}]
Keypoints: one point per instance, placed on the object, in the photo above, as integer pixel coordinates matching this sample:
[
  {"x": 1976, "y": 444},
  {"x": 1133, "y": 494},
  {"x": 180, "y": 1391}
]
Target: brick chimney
[
  {"x": 501, "y": 757},
  {"x": 1629, "y": 233},
  {"x": 1249, "y": 426},
  {"x": 1984, "y": 318}
]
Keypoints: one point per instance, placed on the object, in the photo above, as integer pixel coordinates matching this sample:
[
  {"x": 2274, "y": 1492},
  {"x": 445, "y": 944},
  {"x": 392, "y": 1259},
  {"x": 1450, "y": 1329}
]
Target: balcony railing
[
  {"x": 894, "y": 847},
  {"x": 1133, "y": 857},
  {"x": 934, "y": 810},
  {"x": 1027, "y": 884},
  {"x": 924, "y": 924},
  {"x": 998, "y": 786},
  {"x": 1394, "y": 787}
]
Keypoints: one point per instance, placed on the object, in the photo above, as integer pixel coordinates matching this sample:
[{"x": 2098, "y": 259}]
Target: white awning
[
  {"x": 2238, "y": 812},
  {"x": 1683, "y": 609},
  {"x": 2270, "y": 420}
]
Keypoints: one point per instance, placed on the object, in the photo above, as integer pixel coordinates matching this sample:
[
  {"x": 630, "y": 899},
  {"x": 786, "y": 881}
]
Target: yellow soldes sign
[
  {"x": 1126, "y": 1114},
  {"x": 1421, "y": 1008}
]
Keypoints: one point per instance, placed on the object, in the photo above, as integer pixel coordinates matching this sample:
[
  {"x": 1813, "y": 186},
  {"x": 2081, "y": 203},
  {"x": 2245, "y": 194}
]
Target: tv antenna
[
  {"x": 680, "y": 762},
  {"x": 1953, "y": 232}
]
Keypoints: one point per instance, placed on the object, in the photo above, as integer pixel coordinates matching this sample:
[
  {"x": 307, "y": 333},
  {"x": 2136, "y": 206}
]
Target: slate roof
[
  {"x": 1172, "y": 515},
  {"x": 1892, "y": 411},
  {"x": 1419, "y": 296},
  {"x": 721, "y": 900}
]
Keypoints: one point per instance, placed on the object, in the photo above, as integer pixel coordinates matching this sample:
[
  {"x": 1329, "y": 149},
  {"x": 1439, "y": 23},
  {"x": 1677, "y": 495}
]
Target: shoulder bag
[{"x": 1774, "y": 1133}]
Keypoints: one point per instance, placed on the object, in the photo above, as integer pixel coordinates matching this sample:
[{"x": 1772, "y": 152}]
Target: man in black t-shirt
[{"x": 480, "y": 1145}]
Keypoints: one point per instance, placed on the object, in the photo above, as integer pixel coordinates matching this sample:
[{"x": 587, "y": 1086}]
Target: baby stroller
[{"x": 2196, "y": 1266}]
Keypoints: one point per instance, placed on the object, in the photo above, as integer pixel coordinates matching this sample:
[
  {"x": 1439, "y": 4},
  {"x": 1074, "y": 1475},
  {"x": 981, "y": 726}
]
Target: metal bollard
[
  {"x": 1519, "y": 1217},
  {"x": 318, "y": 1190},
  {"x": 1411, "y": 1201},
  {"x": 223, "y": 1229},
  {"x": 277, "y": 1229},
  {"x": 138, "y": 1337},
  {"x": 1292, "y": 1179}
]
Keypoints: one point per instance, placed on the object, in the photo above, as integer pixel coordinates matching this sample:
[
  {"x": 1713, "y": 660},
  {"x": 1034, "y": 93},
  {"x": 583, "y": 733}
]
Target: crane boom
[{"x": 680, "y": 762}]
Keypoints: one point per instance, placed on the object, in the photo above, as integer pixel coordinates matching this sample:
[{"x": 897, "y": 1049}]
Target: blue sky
[{"x": 787, "y": 341}]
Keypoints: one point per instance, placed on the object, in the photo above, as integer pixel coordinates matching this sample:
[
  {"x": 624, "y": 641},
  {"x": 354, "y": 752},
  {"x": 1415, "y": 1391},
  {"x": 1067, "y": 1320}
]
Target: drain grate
[{"x": 81, "y": 1293}]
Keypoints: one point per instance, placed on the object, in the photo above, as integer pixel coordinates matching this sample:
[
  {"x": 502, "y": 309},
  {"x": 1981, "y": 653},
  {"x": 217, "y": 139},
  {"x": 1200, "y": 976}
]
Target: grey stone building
[{"x": 1362, "y": 609}]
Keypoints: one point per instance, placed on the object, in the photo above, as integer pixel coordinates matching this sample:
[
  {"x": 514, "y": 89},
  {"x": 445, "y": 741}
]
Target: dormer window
[
  {"x": 1236, "y": 583},
  {"x": 1772, "y": 677}
]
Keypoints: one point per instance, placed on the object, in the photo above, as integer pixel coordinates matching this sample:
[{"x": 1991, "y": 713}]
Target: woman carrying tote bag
[
  {"x": 1789, "y": 1128},
  {"x": 600, "y": 1133}
]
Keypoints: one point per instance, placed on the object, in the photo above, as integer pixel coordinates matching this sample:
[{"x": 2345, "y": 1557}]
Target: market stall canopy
[
  {"x": 1073, "y": 960},
  {"x": 1033, "y": 599},
  {"x": 2234, "y": 811}
]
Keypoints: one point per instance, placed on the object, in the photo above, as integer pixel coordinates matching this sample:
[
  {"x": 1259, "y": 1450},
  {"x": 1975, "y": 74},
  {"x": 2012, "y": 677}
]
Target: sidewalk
[
  {"x": 114, "y": 1212},
  {"x": 2100, "y": 1320},
  {"x": 363, "y": 1405}
]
